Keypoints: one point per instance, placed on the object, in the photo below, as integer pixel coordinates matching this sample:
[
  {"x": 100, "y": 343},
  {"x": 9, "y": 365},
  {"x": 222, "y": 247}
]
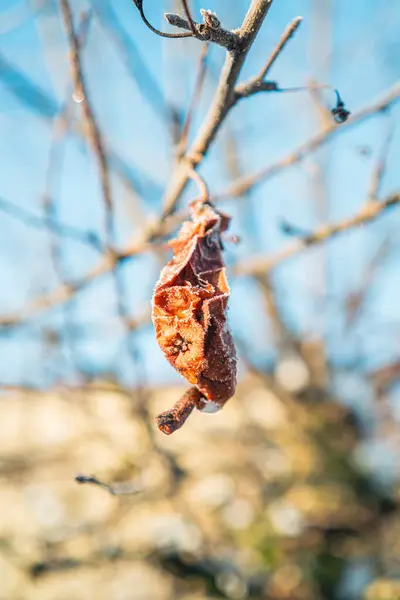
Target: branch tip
[
  {"x": 171, "y": 420},
  {"x": 209, "y": 30},
  {"x": 139, "y": 6},
  {"x": 210, "y": 19}
]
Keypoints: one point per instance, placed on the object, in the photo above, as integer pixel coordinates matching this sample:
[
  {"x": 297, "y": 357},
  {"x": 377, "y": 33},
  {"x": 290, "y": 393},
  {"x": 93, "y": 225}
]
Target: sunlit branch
[{"x": 264, "y": 264}]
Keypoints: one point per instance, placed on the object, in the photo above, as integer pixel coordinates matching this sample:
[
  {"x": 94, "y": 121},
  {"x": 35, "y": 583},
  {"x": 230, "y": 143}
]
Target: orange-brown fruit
[{"x": 189, "y": 315}]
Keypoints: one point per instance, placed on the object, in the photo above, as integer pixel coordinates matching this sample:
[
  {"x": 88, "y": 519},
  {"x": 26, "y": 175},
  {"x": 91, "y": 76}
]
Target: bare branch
[
  {"x": 258, "y": 82},
  {"x": 45, "y": 107},
  {"x": 28, "y": 218},
  {"x": 286, "y": 36},
  {"x": 221, "y": 104},
  {"x": 379, "y": 171},
  {"x": 369, "y": 212},
  {"x": 131, "y": 55},
  {"x": 120, "y": 489},
  {"x": 61, "y": 126},
  {"x": 236, "y": 189},
  {"x": 139, "y": 6},
  {"x": 223, "y": 101},
  {"x": 205, "y": 32},
  {"x": 189, "y": 17},
  {"x": 339, "y": 112},
  {"x": 182, "y": 144},
  {"x": 202, "y": 185},
  {"x": 355, "y": 301},
  {"x": 93, "y": 130},
  {"x": 154, "y": 229},
  {"x": 58, "y": 296}
]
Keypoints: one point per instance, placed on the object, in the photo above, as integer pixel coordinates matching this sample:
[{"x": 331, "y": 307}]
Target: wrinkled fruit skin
[{"x": 189, "y": 307}]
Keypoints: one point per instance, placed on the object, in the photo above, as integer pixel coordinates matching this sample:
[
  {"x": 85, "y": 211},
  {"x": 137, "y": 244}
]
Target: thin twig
[
  {"x": 220, "y": 106},
  {"x": 369, "y": 212},
  {"x": 28, "y": 218},
  {"x": 192, "y": 25},
  {"x": 355, "y": 301},
  {"x": 324, "y": 113},
  {"x": 54, "y": 168},
  {"x": 339, "y": 112},
  {"x": 210, "y": 128},
  {"x": 201, "y": 72},
  {"x": 286, "y": 36},
  {"x": 158, "y": 227},
  {"x": 203, "y": 187},
  {"x": 236, "y": 189},
  {"x": 131, "y": 55},
  {"x": 61, "y": 126},
  {"x": 38, "y": 101},
  {"x": 93, "y": 130},
  {"x": 255, "y": 83},
  {"x": 98, "y": 146},
  {"x": 217, "y": 35},
  {"x": 139, "y": 6},
  {"x": 120, "y": 489},
  {"x": 380, "y": 169}
]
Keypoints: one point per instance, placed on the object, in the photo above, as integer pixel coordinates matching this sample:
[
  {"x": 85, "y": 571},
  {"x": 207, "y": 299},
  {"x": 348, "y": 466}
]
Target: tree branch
[
  {"x": 241, "y": 185},
  {"x": 30, "y": 219},
  {"x": 201, "y": 72},
  {"x": 192, "y": 25},
  {"x": 139, "y": 6},
  {"x": 119, "y": 489},
  {"x": 258, "y": 83},
  {"x": 154, "y": 229},
  {"x": 380, "y": 168},
  {"x": 369, "y": 212},
  {"x": 92, "y": 128},
  {"x": 221, "y": 104},
  {"x": 204, "y": 32}
]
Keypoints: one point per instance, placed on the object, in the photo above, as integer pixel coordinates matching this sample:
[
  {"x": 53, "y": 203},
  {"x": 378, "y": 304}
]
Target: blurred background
[{"x": 292, "y": 491}]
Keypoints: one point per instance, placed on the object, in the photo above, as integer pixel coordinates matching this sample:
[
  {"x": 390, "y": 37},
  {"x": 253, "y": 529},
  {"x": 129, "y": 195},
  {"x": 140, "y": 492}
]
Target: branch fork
[{"x": 209, "y": 30}]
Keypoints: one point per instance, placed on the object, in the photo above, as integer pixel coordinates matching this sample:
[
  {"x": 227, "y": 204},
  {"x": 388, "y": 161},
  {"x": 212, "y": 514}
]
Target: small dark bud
[
  {"x": 340, "y": 113},
  {"x": 38, "y": 569},
  {"x": 292, "y": 230},
  {"x": 83, "y": 479}
]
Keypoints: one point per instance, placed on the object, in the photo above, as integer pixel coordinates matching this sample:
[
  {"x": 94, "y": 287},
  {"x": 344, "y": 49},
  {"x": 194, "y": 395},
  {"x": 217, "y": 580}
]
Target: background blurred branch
[
  {"x": 30, "y": 219},
  {"x": 256, "y": 83},
  {"x": 236, "y": 189},
  {"x": 219, "y": 106},
  {"x": 90, "y": 122},
  {"x": 291, "y": 492},
  {"x": 368, "y": 213}
]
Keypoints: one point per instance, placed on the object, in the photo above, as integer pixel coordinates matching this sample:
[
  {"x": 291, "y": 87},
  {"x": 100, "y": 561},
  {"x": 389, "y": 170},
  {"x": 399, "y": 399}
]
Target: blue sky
[{"x": 357, "y": 51}]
